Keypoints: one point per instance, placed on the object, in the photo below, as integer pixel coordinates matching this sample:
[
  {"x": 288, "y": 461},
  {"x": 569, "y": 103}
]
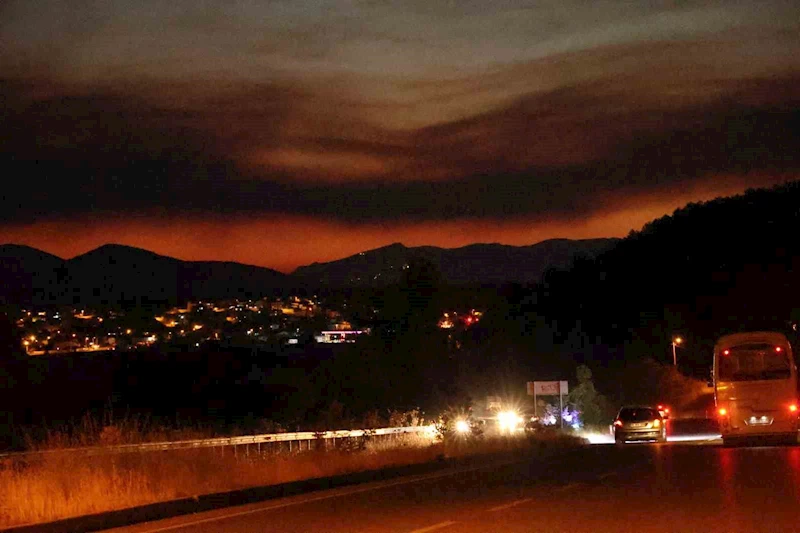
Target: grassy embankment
[{"x": 63, "y": 484}]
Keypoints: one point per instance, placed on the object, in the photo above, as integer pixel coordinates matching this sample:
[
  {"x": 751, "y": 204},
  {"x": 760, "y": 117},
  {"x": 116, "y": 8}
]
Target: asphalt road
[{"x": 672, "y": 487}]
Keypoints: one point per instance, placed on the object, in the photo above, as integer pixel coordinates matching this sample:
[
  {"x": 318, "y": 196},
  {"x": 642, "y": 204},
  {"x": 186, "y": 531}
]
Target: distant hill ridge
[
  {"x": 115, "y": 273},
  {"x": 118, "y": 274},
  {"x": 476, "y": 263}
]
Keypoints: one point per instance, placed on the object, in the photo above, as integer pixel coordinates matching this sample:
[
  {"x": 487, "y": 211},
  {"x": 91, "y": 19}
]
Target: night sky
[{"x": 279, "y": 133}]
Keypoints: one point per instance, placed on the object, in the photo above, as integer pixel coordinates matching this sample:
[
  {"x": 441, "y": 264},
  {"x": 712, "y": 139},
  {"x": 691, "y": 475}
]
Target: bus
[{"x": 755, "y": 387}]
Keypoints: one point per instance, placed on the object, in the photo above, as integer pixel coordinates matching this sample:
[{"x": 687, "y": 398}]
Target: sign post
[
  {"x": 531, "y": 388},
  {"x": 548, "y": 388}
]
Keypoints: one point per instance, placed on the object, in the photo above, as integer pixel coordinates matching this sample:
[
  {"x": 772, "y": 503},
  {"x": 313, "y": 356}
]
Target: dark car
[{"x": 639, "y": 424}]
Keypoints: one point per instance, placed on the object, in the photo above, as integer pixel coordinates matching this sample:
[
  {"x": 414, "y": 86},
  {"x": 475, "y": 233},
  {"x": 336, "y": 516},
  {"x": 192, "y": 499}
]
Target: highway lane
[
  {"x": 654, "y": 488},
  {"x": 694, "y": 430}
]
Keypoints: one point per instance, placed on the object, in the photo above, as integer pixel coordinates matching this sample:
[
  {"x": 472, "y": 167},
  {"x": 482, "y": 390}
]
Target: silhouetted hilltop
[
  {"x": 476, "y": 263},
  {"x": 730, "y": 264},
  {"x": 224, "y": 279},
  {"x": 28, "y": 275},
  {"x": 115, "y": 274}
]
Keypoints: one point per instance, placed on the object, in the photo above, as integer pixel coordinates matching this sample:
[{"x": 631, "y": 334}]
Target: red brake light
[
  {"x": 777, "y": 348},
  {"x": 660, "y": 407},
  {"x": 722, "y": 411},
  {"x": 618, "y": 423},
  {"x": 656, "y": 423},
  {"x": 793, "y": 408},
  {"x": 726, "y": 352},
  {"x": 666, "y": 409}
]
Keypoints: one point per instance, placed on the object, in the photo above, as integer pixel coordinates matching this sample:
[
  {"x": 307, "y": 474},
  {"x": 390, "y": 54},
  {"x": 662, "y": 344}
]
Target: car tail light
[
  {"x": 618, "y": 423},
  {"x": 778, "y": 348},
  {"x": 660, "y": 407},
  {"x": 722, "y": 411},
  {"x": 793, "y": 408},
  {"x": 656, "y": 423},
  {"x": 666, "y": 409},
  {"x": 726, "y": 352}
]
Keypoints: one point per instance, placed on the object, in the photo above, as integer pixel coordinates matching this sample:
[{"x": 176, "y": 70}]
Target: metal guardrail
[{"x": 226, "y": 441}]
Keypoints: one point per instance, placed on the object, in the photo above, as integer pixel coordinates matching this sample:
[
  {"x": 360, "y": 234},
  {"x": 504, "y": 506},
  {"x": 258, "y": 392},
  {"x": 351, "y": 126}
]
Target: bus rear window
[{"x": 754, "y": 362}]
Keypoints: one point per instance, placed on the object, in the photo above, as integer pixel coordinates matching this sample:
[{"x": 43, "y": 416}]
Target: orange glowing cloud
[{"x": 332, "y": 166}]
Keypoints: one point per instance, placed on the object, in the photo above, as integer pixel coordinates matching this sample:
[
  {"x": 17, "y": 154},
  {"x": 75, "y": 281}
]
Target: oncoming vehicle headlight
[
  {"x": 508, "y": 420},
  {"x": 462, "y": 426}
]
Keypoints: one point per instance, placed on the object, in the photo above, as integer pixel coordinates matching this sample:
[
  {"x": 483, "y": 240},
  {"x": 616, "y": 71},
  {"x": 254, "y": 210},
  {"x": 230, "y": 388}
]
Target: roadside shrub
[
  {"x": 649, "y": 382},
  {"x": 409, "y": 418}
]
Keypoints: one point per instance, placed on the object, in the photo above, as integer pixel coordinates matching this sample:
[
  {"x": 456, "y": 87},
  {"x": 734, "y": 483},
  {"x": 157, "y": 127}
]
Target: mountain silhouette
[
  {"x": 115, "y": 274},
  {"x": 476, "y": 263},
  {"x": 28, "y": 275}
]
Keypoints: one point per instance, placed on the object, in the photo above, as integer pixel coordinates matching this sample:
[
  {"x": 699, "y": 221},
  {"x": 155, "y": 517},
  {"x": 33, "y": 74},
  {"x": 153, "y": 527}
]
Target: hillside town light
[{"x": 676, "y": 341}]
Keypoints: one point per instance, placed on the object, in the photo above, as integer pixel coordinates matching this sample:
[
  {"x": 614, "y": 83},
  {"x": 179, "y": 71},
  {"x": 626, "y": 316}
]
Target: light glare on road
[
  {"x": 599, "y": 438},
  {"x": 694, "y": 438}
]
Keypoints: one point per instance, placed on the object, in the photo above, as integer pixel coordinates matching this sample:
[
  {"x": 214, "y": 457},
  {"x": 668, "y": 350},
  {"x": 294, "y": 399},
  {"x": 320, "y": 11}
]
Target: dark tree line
[{"x": 708, "y": 269}]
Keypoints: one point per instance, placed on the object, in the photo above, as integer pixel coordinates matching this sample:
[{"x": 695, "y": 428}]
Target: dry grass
[
  {"x": 61, "y": 485},
  {"x": 90, "y": 431}
]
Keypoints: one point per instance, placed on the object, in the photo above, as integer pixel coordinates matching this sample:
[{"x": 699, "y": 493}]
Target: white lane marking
[
  {"x": 510, "y": 505},
  {"x": 571, "y": 486},
  {"x": 338, "y": 494},
  {"x": 434, "y": 527}
]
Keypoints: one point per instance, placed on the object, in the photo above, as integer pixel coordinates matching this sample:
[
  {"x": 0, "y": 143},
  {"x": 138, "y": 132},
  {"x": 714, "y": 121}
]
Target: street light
[{"x": 676, "y": 341}]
